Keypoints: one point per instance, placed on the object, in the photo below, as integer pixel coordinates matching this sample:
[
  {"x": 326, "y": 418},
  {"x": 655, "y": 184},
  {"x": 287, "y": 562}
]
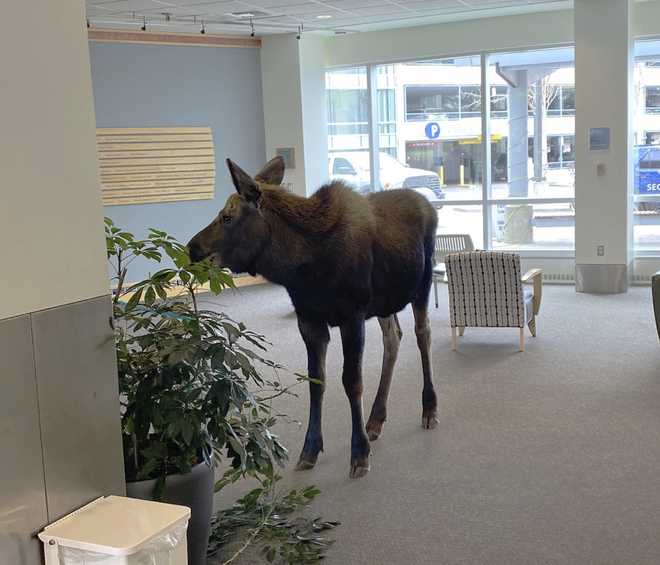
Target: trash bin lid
[{"x": 115, "y": 525}]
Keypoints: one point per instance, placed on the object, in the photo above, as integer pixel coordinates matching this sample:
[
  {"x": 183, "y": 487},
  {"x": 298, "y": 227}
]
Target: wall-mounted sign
[
  {"x": 599, "y": 139},
  {"x": 432, "y": 130},
  {"x": 289, "y": 155}
]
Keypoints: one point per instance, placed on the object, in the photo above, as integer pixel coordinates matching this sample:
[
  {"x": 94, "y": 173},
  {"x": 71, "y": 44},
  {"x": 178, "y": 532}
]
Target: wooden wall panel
[{"x": 145, "y": 165}]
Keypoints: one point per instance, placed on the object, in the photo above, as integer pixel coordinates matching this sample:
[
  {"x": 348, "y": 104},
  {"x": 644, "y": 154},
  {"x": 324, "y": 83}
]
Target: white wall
[
  {"x": 315, "y": 131},
  {"x": 526, "y": 31},
  {"x": 283, "y": 121},
  {"x": 51, "y": 221},
  {"x": 293, "y": 82},
  {"x": 449, "y": 39}
]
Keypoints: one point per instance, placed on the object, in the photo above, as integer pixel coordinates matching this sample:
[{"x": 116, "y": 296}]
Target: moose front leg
[
  {"x": 316, "y": 337},
  {"x": 352, "y": 338}
]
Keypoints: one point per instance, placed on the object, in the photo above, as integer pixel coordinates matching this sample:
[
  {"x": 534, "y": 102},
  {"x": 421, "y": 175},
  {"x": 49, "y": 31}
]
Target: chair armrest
[
  {"x": 535, "y": 276},
  {"x": 530, "y": 275}
]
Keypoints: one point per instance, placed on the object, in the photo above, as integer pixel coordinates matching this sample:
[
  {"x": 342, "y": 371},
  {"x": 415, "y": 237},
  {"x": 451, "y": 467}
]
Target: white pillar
[
  {"x": 518, "y": 153},
  {"x": 540, "y": 144},
  {"x": 293, "y": 83},
  {"x": 603, "y": 179}
]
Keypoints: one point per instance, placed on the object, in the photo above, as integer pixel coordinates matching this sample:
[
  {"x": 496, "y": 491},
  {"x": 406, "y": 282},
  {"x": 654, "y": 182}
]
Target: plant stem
[{"x": 249, "y": 541}]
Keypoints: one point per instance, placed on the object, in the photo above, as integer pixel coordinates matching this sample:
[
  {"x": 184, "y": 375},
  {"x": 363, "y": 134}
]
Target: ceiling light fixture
[
  {"x": 242, "y": 15},
  {"x": 203, "y": 30},
  {"x": 251, "y": 27},
  {"x": 323, "y": 17},
  {"x": 144, "y": 23}
]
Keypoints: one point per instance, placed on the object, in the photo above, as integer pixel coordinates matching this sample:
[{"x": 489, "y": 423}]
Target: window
[
  {"x": 347, "y": 111},
  {"x": 653, "y": 99},
  {"x": 470, "y": 101},
  {"x": 531, "y": 161},
  {"x": 652, "y": 138},
  {"x": 429, "y": 116},
  {"x": 560, "y": 99},
  {"x": 646, "y": 154},
  {"x": 429, "y": 102},
  {"x": 561, "y": 151},
  {"x": 499, "y": 103}
]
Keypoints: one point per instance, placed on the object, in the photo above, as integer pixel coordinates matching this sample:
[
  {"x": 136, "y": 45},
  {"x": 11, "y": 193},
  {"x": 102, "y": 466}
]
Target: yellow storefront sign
[{"x": 476, "y": 140}]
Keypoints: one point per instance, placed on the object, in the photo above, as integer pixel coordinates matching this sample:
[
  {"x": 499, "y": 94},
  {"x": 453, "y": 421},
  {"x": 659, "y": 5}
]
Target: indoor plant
[{"x": 192, "y": 384}]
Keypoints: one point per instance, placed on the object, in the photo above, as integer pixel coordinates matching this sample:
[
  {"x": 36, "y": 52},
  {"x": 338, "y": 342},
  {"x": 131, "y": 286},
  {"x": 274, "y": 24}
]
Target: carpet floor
[{"x": 551, "y": 456}]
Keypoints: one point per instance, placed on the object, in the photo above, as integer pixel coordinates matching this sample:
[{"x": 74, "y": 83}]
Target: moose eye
[{"x": 226, "y": 219}]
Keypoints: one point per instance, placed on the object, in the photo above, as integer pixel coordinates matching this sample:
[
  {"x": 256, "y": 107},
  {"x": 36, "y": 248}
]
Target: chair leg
[
  {"x": 435, "y": 291},
  {"x": 454, "y": 345},
  {"x": 532, "y": 326},
  {"x": 522, "y": 339},
  {"x": 461, "y": 330}
]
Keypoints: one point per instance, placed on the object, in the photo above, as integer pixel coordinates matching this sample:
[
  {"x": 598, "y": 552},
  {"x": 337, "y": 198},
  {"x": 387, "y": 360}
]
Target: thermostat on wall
[{"x": 599, "y": 139}]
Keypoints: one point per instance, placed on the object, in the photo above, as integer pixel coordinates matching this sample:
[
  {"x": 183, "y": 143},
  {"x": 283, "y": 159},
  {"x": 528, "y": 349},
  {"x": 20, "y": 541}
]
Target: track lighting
[
  {"x": 88, "y": 24},
  {"x": 251, "y": 27},
  {"x": 144, "y": 23},
  {"x": 203, "y": 30},
  {"x": 299, "y": 32}
]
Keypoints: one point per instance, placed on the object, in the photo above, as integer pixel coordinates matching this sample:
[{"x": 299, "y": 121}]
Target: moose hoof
[
  {"x": 374, "y": 429},
  {"x": 359, "y": 469},
  {"x": 429, "y": 421},
  {"x": 305, "y": 464}
]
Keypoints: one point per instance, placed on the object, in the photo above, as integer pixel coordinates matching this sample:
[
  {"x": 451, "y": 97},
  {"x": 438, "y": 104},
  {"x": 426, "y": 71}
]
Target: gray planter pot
[{"x": 194, "y": 490}]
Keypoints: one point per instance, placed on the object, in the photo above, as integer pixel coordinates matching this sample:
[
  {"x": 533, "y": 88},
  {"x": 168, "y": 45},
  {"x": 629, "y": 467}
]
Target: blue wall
[{"x": 161, "y": 85}]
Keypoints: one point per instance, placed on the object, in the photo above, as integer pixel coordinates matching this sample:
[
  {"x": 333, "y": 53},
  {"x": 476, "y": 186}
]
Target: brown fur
[{"x": 342, "y": 258}]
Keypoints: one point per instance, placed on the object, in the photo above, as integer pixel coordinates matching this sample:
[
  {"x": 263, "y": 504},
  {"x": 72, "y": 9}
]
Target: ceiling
[{"x": 282, "y": 16}]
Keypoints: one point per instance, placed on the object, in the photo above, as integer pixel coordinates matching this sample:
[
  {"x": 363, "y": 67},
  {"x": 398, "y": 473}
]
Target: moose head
[{"x": 236, "y": 237}]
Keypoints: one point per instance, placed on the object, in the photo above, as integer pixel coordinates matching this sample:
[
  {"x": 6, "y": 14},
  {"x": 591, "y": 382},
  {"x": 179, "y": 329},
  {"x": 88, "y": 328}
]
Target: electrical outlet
[{"x": 600, "y": 251}]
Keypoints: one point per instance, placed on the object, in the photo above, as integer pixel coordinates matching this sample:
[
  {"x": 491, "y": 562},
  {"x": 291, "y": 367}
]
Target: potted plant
[{"x": 192, "y": 386}]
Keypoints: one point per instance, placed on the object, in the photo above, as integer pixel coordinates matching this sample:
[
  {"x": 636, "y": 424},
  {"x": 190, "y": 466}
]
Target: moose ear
[
  {"x": 272, "y": 173},
  {"x": 243, "y": 183}
]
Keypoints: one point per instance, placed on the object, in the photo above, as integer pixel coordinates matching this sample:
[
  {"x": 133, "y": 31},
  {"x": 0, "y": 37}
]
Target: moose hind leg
[
  {"x": 391, "y": 340},
  {"x": 352, "y": 338},
  {"x": 316, "y": 337},
  {"x": 423, "y": 334}
]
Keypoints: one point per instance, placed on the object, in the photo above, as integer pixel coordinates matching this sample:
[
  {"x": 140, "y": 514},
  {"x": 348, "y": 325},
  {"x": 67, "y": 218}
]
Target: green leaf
[
  {"x": 150, "y": 296},
  {"x": 134, "y": 299}
]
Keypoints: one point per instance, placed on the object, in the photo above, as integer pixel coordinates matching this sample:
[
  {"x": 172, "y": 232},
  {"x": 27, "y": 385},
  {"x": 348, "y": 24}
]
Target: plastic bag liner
[{"x": 157, "y": 552}]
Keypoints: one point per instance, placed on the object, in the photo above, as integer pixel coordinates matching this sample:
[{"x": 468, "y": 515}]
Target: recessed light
[
  {"x": 323, "y": 17},
  {"x": 241, "y": 14}
]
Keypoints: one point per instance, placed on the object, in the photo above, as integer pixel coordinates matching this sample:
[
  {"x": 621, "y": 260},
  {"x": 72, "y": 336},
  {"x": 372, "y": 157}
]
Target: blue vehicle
[{"x": 647, "y": 175}]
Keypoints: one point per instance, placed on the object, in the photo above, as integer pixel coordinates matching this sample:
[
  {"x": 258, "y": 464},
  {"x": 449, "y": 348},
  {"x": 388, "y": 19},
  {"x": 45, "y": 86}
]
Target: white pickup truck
[{"x": 353, "y": 168}]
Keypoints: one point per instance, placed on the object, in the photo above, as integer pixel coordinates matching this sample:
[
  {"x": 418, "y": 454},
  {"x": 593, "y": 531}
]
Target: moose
[{"x": 343, "y": 258}]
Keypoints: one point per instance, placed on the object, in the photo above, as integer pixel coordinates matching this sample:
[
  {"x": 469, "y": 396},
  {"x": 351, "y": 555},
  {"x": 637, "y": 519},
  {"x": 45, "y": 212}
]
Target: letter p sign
[{"x": 432, "y": 130}]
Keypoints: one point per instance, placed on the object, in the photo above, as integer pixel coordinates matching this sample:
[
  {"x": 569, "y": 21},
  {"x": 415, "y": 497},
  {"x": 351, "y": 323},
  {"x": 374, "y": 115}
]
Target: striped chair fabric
[
  {"x": 485, "y": 290},
  {"x": 446, "y": 243}
]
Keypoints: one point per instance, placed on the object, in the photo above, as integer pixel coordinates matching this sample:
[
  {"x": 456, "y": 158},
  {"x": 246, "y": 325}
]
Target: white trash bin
[{"x": 115, "y": 530}]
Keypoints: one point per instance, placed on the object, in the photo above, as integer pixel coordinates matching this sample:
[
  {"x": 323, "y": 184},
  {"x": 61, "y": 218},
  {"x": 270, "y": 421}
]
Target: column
[
  {"x": 603, "y": 177},
  {"x": 59, "y": 405},
  {"x": 518, "y": 153},
  {"x": 293, "y": 82}
]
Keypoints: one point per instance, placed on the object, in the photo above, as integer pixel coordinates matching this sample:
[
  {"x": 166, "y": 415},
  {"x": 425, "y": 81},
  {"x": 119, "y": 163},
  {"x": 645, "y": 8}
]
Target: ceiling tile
[{"x": 349, "y": 14}]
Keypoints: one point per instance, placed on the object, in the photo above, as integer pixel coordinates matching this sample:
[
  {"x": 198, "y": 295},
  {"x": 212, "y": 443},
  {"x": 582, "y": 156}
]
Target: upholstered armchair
[
  {"x": 487, "y": 290},
  {"x": 444, "y": 245},
  {"x": 655, "y": 285}
]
